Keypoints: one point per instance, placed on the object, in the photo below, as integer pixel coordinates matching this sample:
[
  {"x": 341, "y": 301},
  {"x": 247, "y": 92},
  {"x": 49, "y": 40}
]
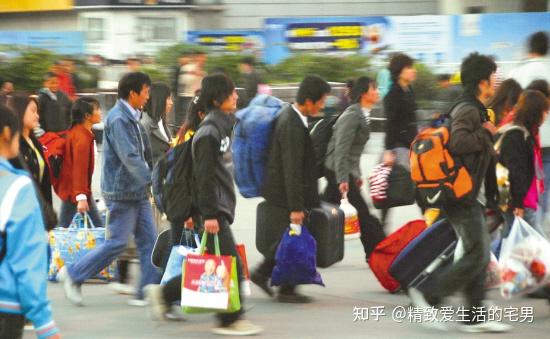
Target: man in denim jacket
[{"x": 125, "y": 181}]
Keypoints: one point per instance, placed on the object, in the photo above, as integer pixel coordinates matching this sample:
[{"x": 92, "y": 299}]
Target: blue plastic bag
[
  {"x": 178, "y": 255},
  {"x": 296, "y": 259}
]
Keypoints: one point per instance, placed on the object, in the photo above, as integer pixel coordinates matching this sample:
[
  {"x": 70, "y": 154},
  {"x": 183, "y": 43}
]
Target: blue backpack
[{"x": 251, "y": 141}]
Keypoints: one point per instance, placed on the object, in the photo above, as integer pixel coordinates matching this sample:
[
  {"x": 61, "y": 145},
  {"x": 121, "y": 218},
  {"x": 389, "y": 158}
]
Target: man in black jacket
[
  {"x": 291, "y": 178},
  {"x": 472, "y": 141},
  {"x": 53, "y": 106}
]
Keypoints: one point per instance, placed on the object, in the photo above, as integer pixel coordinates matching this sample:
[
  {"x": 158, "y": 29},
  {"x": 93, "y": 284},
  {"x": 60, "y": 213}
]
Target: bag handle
[
  {"x": 185, "y": 234},
  {"x": 88, "y": 223},
  {"x": 216, "y": 244}
]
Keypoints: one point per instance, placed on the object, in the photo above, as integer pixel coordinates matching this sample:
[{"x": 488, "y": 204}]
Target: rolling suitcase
[
  {"x": 388, "y": 249},
  {"x": 423, "y": 258},
  {"x": 326, "y": 224}
]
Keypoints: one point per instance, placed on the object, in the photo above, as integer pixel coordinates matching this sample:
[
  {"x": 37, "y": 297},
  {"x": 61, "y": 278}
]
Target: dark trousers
[
  {"x": 180, "y": 111},
  {"x": 371, "y": 229},
  {"x": 172, "y": 290},
  {"x": 468, "y": 273},
  {"x": 11, "y": 326}
]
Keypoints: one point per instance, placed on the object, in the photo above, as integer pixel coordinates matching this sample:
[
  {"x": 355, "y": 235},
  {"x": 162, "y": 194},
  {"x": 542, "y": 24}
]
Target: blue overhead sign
[{"x": 69, "y": 43}]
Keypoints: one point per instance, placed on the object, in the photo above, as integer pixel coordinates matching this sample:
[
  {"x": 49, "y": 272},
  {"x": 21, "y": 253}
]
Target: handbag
[
  {"x": 70, "y": 244},
  {"x": 391, "y": 186},
  {"x": 178, "y": 255},
  {"x": 210, "y": 282}
]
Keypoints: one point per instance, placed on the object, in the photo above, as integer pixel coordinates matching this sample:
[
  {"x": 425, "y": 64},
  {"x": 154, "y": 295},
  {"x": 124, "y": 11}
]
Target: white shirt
[
  {"x": 531, "y": 69},
  {"x": 163, "y": 131},
  {"x": 302, "y": 117},
  {"x": 366, "y": 114}
]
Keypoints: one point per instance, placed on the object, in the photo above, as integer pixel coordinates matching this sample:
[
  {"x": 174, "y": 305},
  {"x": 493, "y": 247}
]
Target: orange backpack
[{"x": 440, "y": 178}]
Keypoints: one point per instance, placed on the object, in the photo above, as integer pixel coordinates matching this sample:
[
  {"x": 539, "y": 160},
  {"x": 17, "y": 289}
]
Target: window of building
[
  {"x": 95, "y": 28},
  {"x": 156, "y": 29}
]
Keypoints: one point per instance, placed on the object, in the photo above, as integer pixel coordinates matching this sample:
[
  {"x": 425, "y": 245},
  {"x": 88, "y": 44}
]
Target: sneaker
[
  {"x": 175, "y": 314},
  {"x": 261, "y": 281},
  {"x": 124, "y": 289},
  {"x": 28, "y": 325},
  {"x": 486, "y": 327},
  {"x": 157, "y": 305},
  {"x": 293, "y": 298},
  {"x": 419, "y": 301},
  {"x": 138, "y": 302},
  {"x": 239, "y": 327},
  {"x": 72, "y": 290}
]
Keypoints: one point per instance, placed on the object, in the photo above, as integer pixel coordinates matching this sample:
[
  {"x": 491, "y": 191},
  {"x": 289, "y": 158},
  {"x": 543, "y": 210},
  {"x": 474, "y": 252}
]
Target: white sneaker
[
  {"x": 239, "y": 328},
  {"x": 419, "y": 301},
  {"x": 486, "y": 327},
  {"x": 124, "y": 289},
  {"x": 72, "y": 291},
  {"x": 138, "y": 302},
  {"x": 175, "y": 314},
  {"x": 158, "y": 307}
]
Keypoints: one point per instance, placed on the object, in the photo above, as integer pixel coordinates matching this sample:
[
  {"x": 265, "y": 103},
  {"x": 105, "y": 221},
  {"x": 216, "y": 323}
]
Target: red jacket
[
  {"x": 78, "y": 164},
  {"x": 66, "y": 84}
]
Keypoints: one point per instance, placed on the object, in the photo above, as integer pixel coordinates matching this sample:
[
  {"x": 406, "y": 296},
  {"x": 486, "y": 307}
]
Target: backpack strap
[
  {"x": 508, "y": 128},
  {"x": 6, "y": 206}
]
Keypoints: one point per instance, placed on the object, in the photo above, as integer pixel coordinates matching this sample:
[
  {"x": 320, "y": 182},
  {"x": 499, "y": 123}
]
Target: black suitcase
[
  {"x": 425, "y": 257},
  {"x": 326, "y": 224}
]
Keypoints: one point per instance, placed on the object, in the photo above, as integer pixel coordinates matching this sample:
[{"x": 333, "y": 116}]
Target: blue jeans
[
  {"x": 546, "y": 169},
  {"x": 127, "y": 217},
  {"x": 68, "y": 210}
]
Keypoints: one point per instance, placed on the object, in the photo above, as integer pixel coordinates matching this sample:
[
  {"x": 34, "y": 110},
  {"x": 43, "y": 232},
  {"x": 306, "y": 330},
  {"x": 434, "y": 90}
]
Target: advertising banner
[{"x": 229, "y": 41}]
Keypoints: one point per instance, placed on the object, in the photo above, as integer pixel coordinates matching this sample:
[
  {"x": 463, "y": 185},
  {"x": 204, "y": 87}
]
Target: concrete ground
[{"x": 349, "y": 284}]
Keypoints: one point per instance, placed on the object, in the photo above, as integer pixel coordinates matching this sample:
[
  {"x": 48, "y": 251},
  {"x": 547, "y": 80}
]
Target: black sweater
[
  {"x": 517, "y": 155},
  {"x": 400, "y": 108}
]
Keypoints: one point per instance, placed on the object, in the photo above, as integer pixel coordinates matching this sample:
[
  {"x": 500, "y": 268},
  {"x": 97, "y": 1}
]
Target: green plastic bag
[{"x": 206, "y": 285}]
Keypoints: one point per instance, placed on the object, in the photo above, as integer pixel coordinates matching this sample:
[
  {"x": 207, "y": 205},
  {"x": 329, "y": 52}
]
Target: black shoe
[
  {"x": 293, "y": 298},
  {"x": 260, "y": 280}
]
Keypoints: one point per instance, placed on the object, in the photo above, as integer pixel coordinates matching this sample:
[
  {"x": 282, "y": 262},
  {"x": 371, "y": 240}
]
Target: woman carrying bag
[
  {"x": 351, "y": 133},
  {"x": 75, "y": 182}
]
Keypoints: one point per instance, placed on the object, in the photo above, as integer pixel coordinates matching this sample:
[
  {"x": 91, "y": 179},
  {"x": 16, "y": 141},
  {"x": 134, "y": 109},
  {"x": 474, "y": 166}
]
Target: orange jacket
[{"x": 78, "y": 164}]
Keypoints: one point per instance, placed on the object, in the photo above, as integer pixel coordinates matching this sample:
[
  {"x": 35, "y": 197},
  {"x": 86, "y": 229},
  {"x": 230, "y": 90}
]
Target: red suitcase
[{"x": 388, "y": 249}]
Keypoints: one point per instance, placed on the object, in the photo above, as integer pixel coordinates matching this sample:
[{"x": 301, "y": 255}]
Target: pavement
[{"x": 350, "y": 285}]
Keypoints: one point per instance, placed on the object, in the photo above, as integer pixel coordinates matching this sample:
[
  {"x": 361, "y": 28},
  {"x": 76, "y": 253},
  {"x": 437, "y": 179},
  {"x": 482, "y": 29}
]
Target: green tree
[{"x": 27, "y": 69}]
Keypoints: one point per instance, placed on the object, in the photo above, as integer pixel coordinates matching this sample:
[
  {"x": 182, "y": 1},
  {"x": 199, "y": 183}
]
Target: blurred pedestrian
[
  {"x": 249, "y": 80},
  {"x": 520, "y": 153},
  {"x": 291, "y": 174},
  {"x": 23, "y": 258},
  {"x": 75, "y": 180},
  {"x": 154, "y": 119},
  {"x": 400, "y": 110},
  {"x": 190, "y": 81},
  {"x": 447, "y": 93},
  {"x": 537, "y": 64},
  {"x": 65, "y": 77},
  {"x": 471, "y": 139},
  {"x": 53, "y": 106},
  {"x": 133, "y": 64},
  {"x": 5, "y": 92},
  {"x": 127, "y": 161},
  {"x": 343, "y": 173},
  {"x": 501, "y": 106}
]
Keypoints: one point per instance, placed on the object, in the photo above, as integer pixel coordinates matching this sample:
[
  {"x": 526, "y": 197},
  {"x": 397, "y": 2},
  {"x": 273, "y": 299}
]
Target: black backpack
[{"x": 320, "y": 135}]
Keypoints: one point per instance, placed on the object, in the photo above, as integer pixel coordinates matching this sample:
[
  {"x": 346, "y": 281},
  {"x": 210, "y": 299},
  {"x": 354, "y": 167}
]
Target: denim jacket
[{"x": 127, "y": 159}]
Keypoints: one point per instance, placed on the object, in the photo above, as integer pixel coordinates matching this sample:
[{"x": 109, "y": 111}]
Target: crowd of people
[{"x": 137, "y": 134}]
